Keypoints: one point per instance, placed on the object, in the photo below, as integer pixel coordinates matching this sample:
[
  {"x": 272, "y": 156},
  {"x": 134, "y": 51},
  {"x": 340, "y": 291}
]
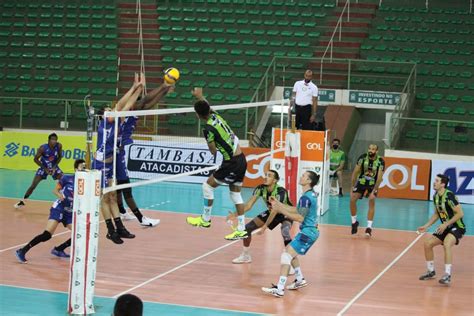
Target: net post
[{"x": 293, "y": 123}]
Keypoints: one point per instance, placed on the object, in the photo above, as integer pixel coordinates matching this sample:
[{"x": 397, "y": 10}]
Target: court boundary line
[
  {"x": 374, "y": 280},
  {"x": 144, "y": 301},
  {"x": 159, "y": 276}
]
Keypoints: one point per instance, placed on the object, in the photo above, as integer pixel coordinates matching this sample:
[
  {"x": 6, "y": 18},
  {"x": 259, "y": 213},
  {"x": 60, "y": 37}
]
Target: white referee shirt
[{"x": 305, "y": 92}]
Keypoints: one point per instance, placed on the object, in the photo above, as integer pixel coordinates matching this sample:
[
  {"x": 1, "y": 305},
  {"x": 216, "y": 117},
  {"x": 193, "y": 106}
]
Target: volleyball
[{"x": 171, "y": 75}]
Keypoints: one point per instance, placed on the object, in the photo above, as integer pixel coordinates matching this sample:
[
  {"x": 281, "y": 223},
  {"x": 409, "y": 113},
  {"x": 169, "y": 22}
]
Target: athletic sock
[
  {"x": 38, "y": 238},
  {"x": 246, "y": 250},
  {"x": 118, "y": 223},
  {"x": 299, "y": 274},
  {"x": 110, "y": 226},
  {"x": 447, "y": 268},
  {"x": 138, "y": 214},
  {"x": 354, "y": 219},
  {"x": 241, "y": 222},
  {"x": 281, "y": 283},
  {"x": 122, "y": 209},
  {"x": 369, "y": 224},
  {"x": 430, "y": 265},
  {"x": 206, "y": 213},
  {"x": 64, "y": 245}
]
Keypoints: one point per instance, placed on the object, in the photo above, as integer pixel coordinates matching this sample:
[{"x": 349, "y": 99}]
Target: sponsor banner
[
  {"x": 19, "y": 149},
  {"x": 461, "y": 178},
  {"x": 147, "y": 160},
  {"x": 312, "y": 158},
  {"x": 373, "y": 97},
  {"x": 405, "y": 178},
  {"x": 256, "y": 168},
  {"x": 324, "y": 95}
]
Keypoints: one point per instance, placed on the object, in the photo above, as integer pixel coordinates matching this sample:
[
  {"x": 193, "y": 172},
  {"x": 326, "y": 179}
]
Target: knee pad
[
  {"x": 45, "y": 236},
  {"x": 286, "y": 258},
  {"x": 236, "y": 197},
  {"x": 208, "y": 191},
  {"x": 127, "y": 193},
  {"x": 250, "y": 227},
  {"x": 285, "y": 231}
]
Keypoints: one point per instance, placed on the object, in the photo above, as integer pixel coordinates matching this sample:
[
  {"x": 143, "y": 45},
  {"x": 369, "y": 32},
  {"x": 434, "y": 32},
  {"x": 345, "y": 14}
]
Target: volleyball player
[
  {"x": 47, "y": 158},
  {"x": 220, "y": 137},
  {"x": 448, "y": 234},
  {"x": 306, "y": 214},
  {"x": 127, "y": 126},
  {"x": 268, "y": 189},
  {"x": 103, "y": 161},
  {"x": 366, "y": 177},
  {"x": 60, "y": 212}
]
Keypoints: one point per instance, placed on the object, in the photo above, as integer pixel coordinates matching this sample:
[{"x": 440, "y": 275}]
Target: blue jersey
[
  {"x": 50, "y": 155},
  {"x": 105, "y": 140},
  {"x": 308, "y": 201},
  {"x": 127, "y": 127},
  {"x": 66, "y": 183}
]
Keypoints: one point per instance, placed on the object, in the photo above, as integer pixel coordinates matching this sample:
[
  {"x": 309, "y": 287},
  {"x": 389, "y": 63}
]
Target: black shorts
[
  {"x": 232, "y": 171},
  {"x": 279, "y": 218},
  {"x": 455, "y": 231},
  {"x": 362, "y": 188}
]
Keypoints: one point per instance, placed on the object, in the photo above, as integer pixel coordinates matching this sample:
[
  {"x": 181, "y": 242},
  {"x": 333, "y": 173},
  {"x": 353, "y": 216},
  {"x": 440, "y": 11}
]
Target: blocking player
[
  {"x": 306, "y": 214},
  {"x": 47, "y": 158},
  {"x": 452, "y": 228},
  {"x": 268, "y": 189},
  {"x": 366, "y": 177},
  {"x": 220, "y": 137},
  {"x": 60, "y": 212}
]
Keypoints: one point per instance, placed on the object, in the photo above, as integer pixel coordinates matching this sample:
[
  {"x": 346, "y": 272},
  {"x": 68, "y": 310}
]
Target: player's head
[
  {"x": 202, "y": 108},
  {"x": 79, "y": 164},
  {"x": 271, "y": 177},
  {"x": 310, "y": 178},
  {"x": 100, "y": 113},
  {"x": 308, "y": 75},
  {"x": 336, "y": 143},
  {"x": 441, "y": 182},
  {"x": 128, "y": 305},
  {"x": 52, "y": 139},
  {"x": 373, "y": 149}
]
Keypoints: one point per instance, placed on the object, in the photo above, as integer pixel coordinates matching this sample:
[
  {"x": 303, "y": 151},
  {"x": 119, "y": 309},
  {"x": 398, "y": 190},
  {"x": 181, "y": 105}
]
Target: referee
[{"x": 305, "y": 99}]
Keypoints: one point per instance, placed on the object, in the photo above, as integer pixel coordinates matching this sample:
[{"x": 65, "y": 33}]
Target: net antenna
[
  {"x": 181, "y": 142},
  {"x": 90, "y": 111}
]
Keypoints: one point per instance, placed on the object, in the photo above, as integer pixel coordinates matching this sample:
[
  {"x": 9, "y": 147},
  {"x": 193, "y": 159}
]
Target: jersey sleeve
[
  {"x": 282, "y": 195},
  {"x": 382, "y": 164},
  {"x": 304, "y": 202},
  {"x": 361, "y": 159},
  {"x": 343, "y": 157},
  {"x": 258, "y": 190},
  {"x": 294, "y": 86},
  {"x": 452, "y": 200},
  {"x": 209, "y": 135}
]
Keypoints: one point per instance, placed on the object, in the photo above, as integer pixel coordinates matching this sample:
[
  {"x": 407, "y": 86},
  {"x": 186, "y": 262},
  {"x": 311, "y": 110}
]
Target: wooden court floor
[{"x": 177, "y": 264}]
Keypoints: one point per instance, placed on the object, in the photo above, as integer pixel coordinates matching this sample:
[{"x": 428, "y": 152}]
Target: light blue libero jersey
[{"x": 308, "y": 201}]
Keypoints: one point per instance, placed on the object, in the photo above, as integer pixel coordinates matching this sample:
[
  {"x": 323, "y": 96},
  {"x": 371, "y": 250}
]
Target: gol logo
[
  {"x": 280, "y": 144},
  {"x": 314, "y": 146},
  {"x": 80, "y": 186},
  {"x": 257, "y": 170},
  {"x": 97, "y": 188},
  {"x": 409, "y": 177}
]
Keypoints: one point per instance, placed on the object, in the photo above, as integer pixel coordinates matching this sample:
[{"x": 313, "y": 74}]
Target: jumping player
[
  {"x": 60, "y": 212},
  {"x": 306, "y": 214},
  {"x": 268, "y": 189},
  {"x": 220, "y": 137},
  {"x": 47, "y": 158},
  {"x": 448, "y": 234},
  {"x": 366, "y": 177}
]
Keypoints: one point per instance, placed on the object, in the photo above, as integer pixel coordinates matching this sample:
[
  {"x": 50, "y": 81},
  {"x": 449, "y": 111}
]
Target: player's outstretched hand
[
  {"x": 421, "y": 229},
  {"x": 231, "y": 216},
  {"x": 197, "y": 92}
]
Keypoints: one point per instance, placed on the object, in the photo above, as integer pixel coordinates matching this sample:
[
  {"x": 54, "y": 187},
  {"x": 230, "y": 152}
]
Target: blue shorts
[
  {"x": 302, "y": 242},
  {"x": 61, "y": 216},
  {"x": 105, "y": 171},
  {"x": 56, "y": 175},
  {"x": 121, "y": 168}
]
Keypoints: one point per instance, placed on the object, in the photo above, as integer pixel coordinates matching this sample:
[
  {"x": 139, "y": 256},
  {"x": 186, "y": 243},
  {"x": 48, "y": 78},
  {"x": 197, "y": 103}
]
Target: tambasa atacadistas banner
[{"x": 150, "y": 160}]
